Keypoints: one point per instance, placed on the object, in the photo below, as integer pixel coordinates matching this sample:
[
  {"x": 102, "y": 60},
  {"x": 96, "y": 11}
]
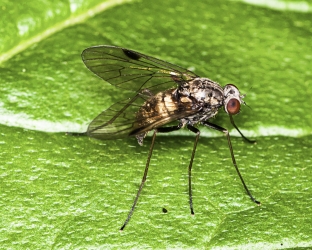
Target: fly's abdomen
[{"x": 157, "y": 110}]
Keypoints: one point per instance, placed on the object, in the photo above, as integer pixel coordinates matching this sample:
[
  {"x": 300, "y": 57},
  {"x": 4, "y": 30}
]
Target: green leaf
[{"x": 59, "y": 191}]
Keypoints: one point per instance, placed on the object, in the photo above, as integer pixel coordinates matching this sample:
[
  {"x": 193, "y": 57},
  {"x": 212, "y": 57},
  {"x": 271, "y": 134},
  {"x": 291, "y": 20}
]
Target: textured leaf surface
[{"x": 58, "y": 191}]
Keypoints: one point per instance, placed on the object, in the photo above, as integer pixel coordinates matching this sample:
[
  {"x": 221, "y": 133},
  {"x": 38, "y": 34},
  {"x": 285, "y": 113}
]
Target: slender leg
[
  {"x": 197, "y": 132},
  {"x": 161, "y": 130},
  {"x": 216, "y": 127},
  {"x": 245, "y": 138}
]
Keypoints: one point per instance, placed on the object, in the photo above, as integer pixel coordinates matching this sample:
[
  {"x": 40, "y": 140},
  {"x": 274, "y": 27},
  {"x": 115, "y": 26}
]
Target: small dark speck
[{"x": 164, "y": 210}]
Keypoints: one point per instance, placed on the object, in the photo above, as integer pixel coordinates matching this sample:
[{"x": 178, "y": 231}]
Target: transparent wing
[
  {"x": 125, "y": 118},
  {"x": 132, "y": 70}
]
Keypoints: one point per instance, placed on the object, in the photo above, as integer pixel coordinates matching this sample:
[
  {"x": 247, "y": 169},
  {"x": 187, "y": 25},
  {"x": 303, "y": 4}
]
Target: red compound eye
[{"x": 233, "y": 106}]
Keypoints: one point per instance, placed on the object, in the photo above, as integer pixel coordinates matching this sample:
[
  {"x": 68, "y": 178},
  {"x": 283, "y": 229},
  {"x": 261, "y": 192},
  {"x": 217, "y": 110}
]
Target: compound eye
[{"x": 233, "y": 106}]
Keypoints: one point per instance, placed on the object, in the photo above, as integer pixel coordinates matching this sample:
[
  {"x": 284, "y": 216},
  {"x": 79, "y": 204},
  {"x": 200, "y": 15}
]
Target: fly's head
[{"x": 232, "y": 99}]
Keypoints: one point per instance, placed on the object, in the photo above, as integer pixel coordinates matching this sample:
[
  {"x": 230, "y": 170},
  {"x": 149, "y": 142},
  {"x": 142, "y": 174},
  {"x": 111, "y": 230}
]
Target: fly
[{"x": 163, "y": 93}]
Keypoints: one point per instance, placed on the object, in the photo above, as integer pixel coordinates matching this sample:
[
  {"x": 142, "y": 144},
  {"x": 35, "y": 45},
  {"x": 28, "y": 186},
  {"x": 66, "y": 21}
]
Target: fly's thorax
[
  {"x": 204, "y": 92},
  {"x": 207, "y": 97},
  {"x": 201, "y": 116}
]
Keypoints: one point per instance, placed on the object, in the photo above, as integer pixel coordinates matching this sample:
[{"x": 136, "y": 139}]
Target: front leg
[{"x": 226, "y": 132}]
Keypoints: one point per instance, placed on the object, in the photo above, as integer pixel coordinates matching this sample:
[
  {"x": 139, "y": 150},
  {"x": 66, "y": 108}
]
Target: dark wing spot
[{"x": 131, "y": 54}]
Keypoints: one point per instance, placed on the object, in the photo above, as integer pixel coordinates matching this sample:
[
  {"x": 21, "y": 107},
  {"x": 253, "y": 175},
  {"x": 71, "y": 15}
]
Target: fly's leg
[
  {"x": 226, "y": 132},
  {"x": 197, "y": 132},
  {"x": 161, "y": 130},
  {"x": 244, "y": 137}
]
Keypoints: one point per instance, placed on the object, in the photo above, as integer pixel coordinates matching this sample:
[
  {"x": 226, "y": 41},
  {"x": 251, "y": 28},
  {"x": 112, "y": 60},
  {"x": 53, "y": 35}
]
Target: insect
[{"x": 162, "y": 93}]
